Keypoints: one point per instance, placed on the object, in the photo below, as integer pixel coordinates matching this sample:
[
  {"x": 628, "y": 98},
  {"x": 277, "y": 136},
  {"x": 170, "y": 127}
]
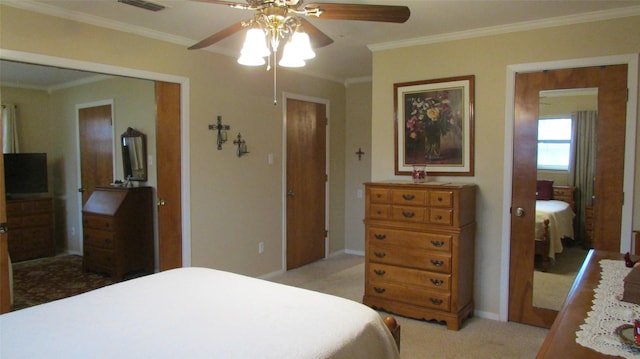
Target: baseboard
[
  {"x": 355, "y": 253},
  {"x": 487, "y": 315}
]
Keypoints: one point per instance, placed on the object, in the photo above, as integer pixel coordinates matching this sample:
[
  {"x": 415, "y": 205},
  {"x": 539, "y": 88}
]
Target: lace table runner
[{"x": 608, "y": 312}]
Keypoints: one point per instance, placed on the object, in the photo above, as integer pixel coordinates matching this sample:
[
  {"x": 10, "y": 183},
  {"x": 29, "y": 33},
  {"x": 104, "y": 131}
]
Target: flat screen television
[{"x": 25, "y": 173}]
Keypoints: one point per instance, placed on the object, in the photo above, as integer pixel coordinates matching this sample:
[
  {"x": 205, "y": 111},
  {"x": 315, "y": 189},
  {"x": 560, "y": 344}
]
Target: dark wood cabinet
[
  {"x": 419, "y": 258},
  {"x": 118, "y": 231},
  {"x": 30, "y": 224}
]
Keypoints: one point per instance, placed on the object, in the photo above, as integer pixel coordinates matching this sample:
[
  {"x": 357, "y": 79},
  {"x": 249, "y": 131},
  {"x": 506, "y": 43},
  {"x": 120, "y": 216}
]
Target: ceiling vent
[{"x": 147, "y": 5}]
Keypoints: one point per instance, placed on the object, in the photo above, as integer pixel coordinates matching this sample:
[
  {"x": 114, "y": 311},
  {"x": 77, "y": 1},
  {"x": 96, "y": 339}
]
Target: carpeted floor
[
  {"x": 47, "y": 279},
  {"x": 550, "y": 288}
]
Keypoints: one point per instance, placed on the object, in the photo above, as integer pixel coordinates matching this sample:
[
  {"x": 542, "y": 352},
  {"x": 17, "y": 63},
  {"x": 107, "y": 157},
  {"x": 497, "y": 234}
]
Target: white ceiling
[{"x": 349, "y": 57}]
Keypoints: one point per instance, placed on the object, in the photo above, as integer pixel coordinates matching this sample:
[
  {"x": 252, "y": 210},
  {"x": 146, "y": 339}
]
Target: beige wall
[
  {"x": 487, "y": 58},
  {"x": 358, "y": 171},
  {"x": 234, "y": 202}
]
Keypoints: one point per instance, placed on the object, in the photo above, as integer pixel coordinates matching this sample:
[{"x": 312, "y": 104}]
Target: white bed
[
  {"x": 560, "y": 216},
  {"x": 197, "y": 313}
]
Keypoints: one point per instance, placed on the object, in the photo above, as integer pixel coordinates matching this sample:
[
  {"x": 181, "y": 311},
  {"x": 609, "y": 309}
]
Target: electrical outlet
[
  {"x": 260, "y": 247},
  {"x": 73, "y": 231},
  {"x": 359, "y": 193}
]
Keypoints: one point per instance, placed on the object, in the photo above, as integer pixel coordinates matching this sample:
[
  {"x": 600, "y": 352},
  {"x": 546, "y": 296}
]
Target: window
[{"x": 554, "y": 144}]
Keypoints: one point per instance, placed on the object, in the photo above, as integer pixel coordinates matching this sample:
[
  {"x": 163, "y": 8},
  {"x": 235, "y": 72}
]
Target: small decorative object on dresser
[
  {"x": 118, "y": 231},
  {"x": 420, "y": 249}
]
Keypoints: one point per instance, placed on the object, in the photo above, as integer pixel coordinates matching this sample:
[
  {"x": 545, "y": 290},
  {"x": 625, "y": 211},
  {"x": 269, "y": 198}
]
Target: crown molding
[
  {"x": 60, "y": 86},
  {"x": 516, "y": 27}
]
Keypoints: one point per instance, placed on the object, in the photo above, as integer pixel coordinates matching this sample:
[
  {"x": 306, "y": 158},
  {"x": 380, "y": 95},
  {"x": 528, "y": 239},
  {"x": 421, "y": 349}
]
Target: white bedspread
[
  {"x": 560, "y": 217},
  {"x": 197, "y": 313}
]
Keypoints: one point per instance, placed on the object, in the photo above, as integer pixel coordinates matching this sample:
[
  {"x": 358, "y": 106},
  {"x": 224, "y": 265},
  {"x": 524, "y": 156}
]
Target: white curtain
[
  {"x": 585, "y": 124},
  {"x": 9, "y": 129}
]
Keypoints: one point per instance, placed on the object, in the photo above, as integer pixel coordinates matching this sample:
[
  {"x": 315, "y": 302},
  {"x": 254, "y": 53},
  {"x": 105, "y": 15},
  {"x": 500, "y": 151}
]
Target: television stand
[{"x": 30, "y": 228}]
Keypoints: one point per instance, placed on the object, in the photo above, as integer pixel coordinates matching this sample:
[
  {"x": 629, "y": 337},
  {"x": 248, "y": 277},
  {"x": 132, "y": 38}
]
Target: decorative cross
[{"x": 359, "y": 153}]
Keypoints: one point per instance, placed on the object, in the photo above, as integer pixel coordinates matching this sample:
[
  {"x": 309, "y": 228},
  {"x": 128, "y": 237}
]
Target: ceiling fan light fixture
[
  {"x": 255, "y": 43},
  {"x": 291, "y": 56},
  {"x": 302, "y": 44},
  {"x": 251, "y": 60}
]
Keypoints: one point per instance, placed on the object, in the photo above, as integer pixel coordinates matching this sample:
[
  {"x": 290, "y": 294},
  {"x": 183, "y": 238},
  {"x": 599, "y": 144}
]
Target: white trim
[
  {"x": 39, "y": 59},
  {"x": 79, "y": 107},
  {"x": 509, "y": 28},
  {"x": 631, "y": 60},
  {"x": 326, "y": 103}
]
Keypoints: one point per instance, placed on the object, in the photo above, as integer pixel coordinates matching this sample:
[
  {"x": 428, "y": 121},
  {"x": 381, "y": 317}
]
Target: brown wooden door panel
[
  {"x": 96, "y": 148},
  {"x": 611, "y": 84},
  {"x": 169, "y": 168},
  {"x": 306, "y": 181}
]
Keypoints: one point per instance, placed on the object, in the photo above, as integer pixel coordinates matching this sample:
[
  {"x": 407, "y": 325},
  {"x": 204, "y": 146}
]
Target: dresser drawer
[
  {"x": 33, "y": 220},
  {"x": 31, "y": 239},
  {"x": 422, "y": 240},
  {"x": 441, "y": 216},
  {"x": 408, "y": 257},
  {"x": 380, "y": 274},
  {"x": 380, "y": 211},
  {"x": 440, "y": 199},
  {"x": 408, "y": 214},
  {"x": 98, "y": 258},
  {"x": 413, "y": 295},
  {"x": 97, "y": 222},
  {"x": 380, "y": 195},
  {"x": 409, "y": 197},
  {"x": 98, "y": 238}
]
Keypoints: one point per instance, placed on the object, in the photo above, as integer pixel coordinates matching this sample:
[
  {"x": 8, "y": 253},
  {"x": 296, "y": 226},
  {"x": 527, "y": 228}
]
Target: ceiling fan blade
[
  {"x": 317, "y": 37},
  {"x": 218, "y": 36},
  {"x": 381, "y": 13}
]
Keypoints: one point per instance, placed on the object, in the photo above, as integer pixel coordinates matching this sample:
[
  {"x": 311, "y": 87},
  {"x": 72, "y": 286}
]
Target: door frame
[
  {"x": 46, "y": 60},
  {"x": 79, "y": 107},
  {"x": 326, "y": 103},
  {"x": 631, "y": 60}
]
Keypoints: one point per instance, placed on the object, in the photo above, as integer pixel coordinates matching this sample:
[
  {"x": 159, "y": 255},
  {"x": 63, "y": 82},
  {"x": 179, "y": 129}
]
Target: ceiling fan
[{"x": 284, "y": 16}]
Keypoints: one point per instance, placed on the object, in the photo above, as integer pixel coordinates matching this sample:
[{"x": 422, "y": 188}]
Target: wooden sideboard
[
  {"x": 118, "y": 231},
  {"x": 30, "y": 223},
  {"x": 561, "y": 339},
  {"x": 419, "y": 258}
]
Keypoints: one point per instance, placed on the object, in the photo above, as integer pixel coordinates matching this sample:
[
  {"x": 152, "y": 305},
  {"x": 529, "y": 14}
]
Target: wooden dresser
[
  {"x": 30, "y": 223},
  {"x": 118, "y": 231},
  {"x": 420, "y": 249}
]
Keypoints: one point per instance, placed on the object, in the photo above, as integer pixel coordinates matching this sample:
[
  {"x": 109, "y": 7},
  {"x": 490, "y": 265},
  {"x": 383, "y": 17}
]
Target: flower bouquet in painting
[{"x": 433, "y": 130}]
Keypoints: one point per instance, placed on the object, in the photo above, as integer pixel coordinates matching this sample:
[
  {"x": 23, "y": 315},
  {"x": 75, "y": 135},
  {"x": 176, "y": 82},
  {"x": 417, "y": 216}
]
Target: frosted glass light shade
[
  {"x": 255, "y": 43},
  {"x": 251, "y": 60},
  {"x": 290, "y": 56},
  {"x": 303, "y": 45}
]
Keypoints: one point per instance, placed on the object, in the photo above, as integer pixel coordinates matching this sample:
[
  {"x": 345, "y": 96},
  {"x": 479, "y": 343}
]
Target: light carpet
[{"x": 343, "y": 275}]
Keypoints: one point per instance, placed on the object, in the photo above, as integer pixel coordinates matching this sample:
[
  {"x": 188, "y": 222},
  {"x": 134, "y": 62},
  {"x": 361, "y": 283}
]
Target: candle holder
[{"x": 242, "y": 146}]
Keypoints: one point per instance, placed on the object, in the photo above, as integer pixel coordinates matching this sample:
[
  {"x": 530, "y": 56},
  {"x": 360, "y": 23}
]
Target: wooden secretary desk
[{"x": 118, "y": 231}]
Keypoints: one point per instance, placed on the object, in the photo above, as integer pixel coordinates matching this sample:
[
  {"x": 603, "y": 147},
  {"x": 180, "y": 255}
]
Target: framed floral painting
[{"x": 434, "y": 126}]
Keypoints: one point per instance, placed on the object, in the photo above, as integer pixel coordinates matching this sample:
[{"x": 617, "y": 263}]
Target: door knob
[
  {"x": 161, "y": 202},
  {"x": 291, "y": 194},
  {"x": 520, "y": 212}
]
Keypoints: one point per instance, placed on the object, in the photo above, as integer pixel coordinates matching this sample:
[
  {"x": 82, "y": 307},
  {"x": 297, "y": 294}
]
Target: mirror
[
  {"x": 134, "y": 155},
  {"x": 575, "y": 108}
]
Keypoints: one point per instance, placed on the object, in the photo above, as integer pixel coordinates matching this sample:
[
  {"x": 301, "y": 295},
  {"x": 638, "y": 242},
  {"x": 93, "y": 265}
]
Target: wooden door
[
  {"x": 169, "y": 171},
  {"x": 611, "y": 82},
  {"x": 96, "y": 148},
  {"x": 5, "y": 296},
  {"x": 306, "y": 182}
]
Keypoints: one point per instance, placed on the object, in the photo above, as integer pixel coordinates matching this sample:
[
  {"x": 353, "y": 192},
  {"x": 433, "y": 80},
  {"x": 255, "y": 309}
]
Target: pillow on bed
[{"x": 544, "y": 190}]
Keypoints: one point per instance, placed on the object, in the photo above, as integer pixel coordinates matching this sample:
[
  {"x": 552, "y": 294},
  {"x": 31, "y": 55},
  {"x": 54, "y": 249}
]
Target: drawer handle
[
  {"x": 379, "y": 272},
  {"x": 408, "y": 214},
  {"x": 379, "y": 195},
  {"x": 380, "y": 236},
  {"x": 408, "y": 197},
  {"x": 379, "y": 290},
  {"x": 437, "y": 282},
  {"x": 378, "y": 212},
  {"x": 440, "y": 199},
  {"x": 437, "y": 263},
  {"x": 437, "y": 243},
  {"x": 380, "y": 254},
  {"x": 436, "y": 301},
  {"x": 439, "y": 217}
]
